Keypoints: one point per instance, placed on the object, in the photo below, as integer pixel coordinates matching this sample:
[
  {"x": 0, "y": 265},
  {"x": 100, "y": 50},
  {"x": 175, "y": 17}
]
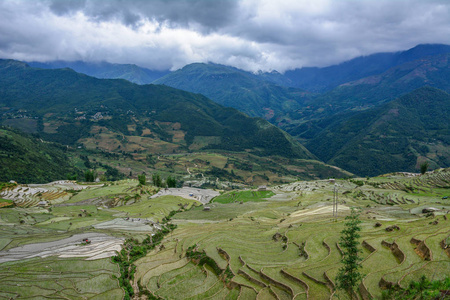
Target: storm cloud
[{"x": 249, "y": 34}]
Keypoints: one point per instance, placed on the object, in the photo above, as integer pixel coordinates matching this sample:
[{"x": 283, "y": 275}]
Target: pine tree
[
  {"x": 424, "y": 167},
  {"x": 349, "y": 276}
]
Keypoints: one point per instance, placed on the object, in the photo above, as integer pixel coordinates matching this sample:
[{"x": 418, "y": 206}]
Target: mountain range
[
  {"x": 236, "y": 88},
  {"x": 398, "y": 135},
  {"x": 327, "y": 78},
  {"x": 70, "y": 106},
  {"x": 106, "y": 70},
  {"x": 329, "y": 109}
]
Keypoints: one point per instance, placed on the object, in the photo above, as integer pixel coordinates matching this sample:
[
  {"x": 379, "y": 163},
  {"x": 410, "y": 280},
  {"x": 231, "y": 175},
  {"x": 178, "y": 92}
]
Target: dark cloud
[
  {"x": 63, "y": 7},
  {"x": 249, "y": 34},
  {"x": 209, "y": 14}
]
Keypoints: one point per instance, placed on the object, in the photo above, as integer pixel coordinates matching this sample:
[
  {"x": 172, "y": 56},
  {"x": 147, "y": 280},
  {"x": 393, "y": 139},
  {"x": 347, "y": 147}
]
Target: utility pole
[
  {"x": 335, "y": 202},
  {"x": 335, "y": 197}
]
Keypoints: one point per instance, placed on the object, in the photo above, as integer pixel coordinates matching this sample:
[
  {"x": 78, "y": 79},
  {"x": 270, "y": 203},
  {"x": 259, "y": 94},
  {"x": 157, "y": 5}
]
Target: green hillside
[
  {"x": 74, "y": 108},
  {"x": 27, "y": 159},
  {"x": 236, "y": 88},
  {"x": 372, "y": 91},
  {"x": 399, "y": 135}
]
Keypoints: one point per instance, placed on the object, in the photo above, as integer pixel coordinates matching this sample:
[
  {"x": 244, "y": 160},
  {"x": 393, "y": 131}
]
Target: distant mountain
[
  {"x": 106, "y": 70},
  {"x": 236, "y": 88},
  {"x": 27, "y": 159},
  {"x": 116, "y": 115},
  {"x": 370, "y": 92},
  {"x": 396, "y": 136},
  {"x": 324, "y": 79}
]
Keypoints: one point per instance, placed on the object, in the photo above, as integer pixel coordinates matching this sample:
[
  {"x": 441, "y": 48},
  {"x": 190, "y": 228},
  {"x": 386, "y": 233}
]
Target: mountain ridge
[
  {"x": 325, "y": 79},
  {"x": 235, "y": 88},
  {"x": 69, "y": 104},
  {"x": 105, "y": 70},
  {"x": 398, "y": 135}
]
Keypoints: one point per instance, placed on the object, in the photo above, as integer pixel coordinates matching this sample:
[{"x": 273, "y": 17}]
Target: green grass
[
  {"x": 243, "y": 196},
  {"x": 6, "y": 200},
  {"x": 156, "y": 208},
  {"x": 218, "y": 212},
  {"x": 98, "y": 191}
]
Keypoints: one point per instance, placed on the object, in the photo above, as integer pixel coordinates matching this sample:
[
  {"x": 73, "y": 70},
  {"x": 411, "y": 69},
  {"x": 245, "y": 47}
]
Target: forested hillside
[
  {"x": 28, "y": 159},
  {"x": 236, "y": 88},
  {"x": 72, "y": 106},
  {"x": 399, "y": 135}
]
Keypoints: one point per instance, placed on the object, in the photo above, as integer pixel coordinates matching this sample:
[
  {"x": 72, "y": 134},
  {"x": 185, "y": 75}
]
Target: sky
[{"x": 252, "y": 35}]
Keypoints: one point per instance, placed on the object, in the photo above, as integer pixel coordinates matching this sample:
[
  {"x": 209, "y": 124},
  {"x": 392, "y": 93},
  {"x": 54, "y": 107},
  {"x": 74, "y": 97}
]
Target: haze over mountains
[
  {"x": 129, "y": 72},
  {"x": 330, "y": 109}
]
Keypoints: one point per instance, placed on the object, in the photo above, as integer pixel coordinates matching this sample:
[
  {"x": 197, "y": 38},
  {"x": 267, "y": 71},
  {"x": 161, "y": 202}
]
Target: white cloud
[{"x": 249, "y": 34}]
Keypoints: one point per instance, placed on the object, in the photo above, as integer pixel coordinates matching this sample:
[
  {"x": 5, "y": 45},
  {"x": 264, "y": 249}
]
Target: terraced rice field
[
  {"x": 57, "y": 278},
  {"x": 282, "y": 247},
  {"x": 264, "y": 246},
  {"x": 274, "y": 268}
]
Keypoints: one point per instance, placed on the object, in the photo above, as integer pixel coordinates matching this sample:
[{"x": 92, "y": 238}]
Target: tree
[
  {"x": 141, "y": 179},
  {"x": 157, "y": 180},
  {"x": 349, "y": 276},
  {"x": 171, "y": 182},
  {"x": 424, "y": 167},
  {"x": 72, "y": 176},
  {"x": 90, "y": 176}
]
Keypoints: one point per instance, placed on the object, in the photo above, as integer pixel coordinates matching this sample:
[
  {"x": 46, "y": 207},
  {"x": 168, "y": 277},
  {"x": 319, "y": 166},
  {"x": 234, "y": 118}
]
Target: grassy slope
[{"x": 27, "y": 159}]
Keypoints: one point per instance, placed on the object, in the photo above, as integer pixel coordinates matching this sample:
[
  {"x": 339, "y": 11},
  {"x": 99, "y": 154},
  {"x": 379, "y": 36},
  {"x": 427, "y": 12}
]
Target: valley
[
  {"x": 315, "y": 104},
  {"x": 210, "y": 182}
]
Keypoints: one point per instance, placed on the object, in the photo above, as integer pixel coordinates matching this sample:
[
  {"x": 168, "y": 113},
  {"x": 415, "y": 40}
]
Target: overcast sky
[{"x": 248, "y": 34}]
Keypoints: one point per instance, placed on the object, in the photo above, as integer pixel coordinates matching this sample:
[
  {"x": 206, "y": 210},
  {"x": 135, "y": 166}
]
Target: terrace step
[
  {"x": 398, "y": 253},
  {"x": 247, "y": 293},
  {"x": 422, "y": 249}
]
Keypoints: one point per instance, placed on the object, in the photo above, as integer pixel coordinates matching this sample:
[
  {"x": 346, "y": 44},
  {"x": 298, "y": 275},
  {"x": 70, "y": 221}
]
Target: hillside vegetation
[
  {"x": 400, "y": 135},
  {"x": 73, "y": 108},
  {"x": 236, "y": 88},
  {"x": 119, "y": 129},
  {"x": 27, "y": 159},
  {"x": 350, "y": 93}
]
